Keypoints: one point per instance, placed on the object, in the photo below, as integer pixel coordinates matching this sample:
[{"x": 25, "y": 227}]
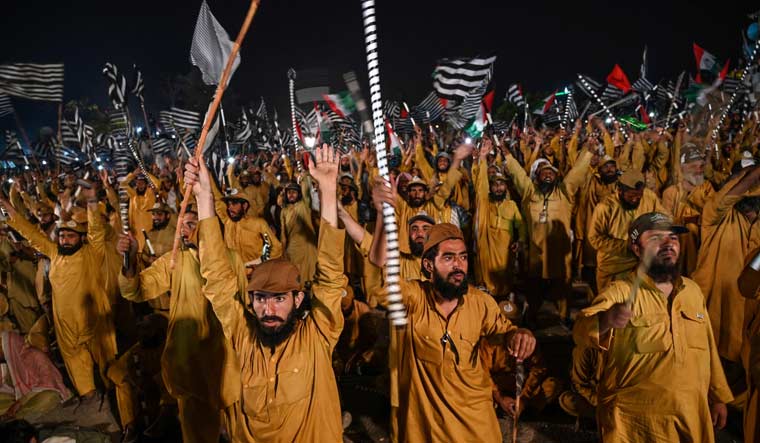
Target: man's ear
[
  {"x": 636, "y": 249},
  {"x": 428, "y": 265},
  {"x": 298, "y": 299}
]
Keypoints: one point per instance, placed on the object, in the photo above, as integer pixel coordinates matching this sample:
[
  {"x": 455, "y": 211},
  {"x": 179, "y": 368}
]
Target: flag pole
[
  {"x": 601, "y": 103},
  {"x": 224, "y": 130},
  {"x": 212, "y": 109},
  {"x": 145, "y": 117},
  {"x": 673, "y": 101},
  {"x": 396, "y": 308}
]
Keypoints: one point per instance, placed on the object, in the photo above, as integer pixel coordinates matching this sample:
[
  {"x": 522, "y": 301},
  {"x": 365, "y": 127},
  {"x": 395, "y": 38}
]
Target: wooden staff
[
  {"x": 519, "y": 381},
  {"x": 220, "y": 88}
]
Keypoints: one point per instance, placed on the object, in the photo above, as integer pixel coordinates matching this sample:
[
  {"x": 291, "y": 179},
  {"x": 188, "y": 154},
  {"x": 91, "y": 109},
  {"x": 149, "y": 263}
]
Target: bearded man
[
  {"x": 288, "y": 387},
  {"x": 661, "y": 378},
  {"x": 609, "y": 226},
  {"x": 686, "y": 200}
]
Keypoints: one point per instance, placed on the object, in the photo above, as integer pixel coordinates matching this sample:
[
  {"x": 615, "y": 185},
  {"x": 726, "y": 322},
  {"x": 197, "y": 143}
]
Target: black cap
[{"x": 651, "y": 221}]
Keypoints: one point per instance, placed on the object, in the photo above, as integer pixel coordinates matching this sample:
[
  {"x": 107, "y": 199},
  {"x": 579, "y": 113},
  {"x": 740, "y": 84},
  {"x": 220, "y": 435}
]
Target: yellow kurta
[
  {"x": 438, "y": 394},
  {"x": 683, "y": 205},
  {"x": 81, "y": 311},
  {"x": 591, "y": 194},
  {"x": 749, "y": 283},
  {"x": 22, "y": 296},
  {"x": 499, "y": 224},
  {"x": 289, "y": 394},
  {"x": 139, "y": 205},
  {"x": 298, "y": 235},
  {"x": 726, "y": 236},
  {"x": 549, "y": 251},
  {"x": 198, "y": 361},
  {"x": 658, "y": 372},
  {"x": 162, "y": 241},
  {"x": 609, "y": 235}
]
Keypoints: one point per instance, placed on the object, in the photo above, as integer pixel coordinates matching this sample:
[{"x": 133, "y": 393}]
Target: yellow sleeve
[
  {"x": 329, "y": 283},
  {"x": 452, "y": 179},
  {"x": 96, "y": 231},
  {"x": 222, "y": 284},
  {"x": 151, "y": 283},
  {"x": 482, "y": 190},
  {"x": 37, "y": 239},
  {"x": 609, "y": 146},
  {"x": 519, "y": 177},
  {"x": 586, "y": 329},
  {"x": 598, "y": 235},
  {"x": 219, "y": 206},
  {"x": 422, "y": 163},
  {"x": 577, "y": 175}
]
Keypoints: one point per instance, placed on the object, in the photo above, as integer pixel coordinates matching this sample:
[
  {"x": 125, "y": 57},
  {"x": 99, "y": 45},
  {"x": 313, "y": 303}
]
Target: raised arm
[
  {"x": 329, "y": 279},
  {"x": 37, "y": 239},
  {"x": 222, "y": 282}
]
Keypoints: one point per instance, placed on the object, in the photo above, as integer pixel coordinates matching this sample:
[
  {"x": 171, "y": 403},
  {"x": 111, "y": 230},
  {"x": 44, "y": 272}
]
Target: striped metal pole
[{"x": 396, "y": 309}]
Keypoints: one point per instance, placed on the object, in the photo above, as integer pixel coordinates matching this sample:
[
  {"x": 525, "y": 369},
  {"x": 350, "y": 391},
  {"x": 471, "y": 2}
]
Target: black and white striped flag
[
  {"x": 32, "y": 81},
  {"x": 6, "y": 107},
  {"x": 162, "y": 146},
  {"x": 117, "y": 85},
  {"x": 611, "y": 93},
  {"x": 243, "y": 131},
  {"x": 642, "y": 85},
  {"x": 13, "y": 151},
  {"x": 515, "y": 96},
  {"x": 430, "y": 109},
  {"x": 139, "y": 85},
  {"x": 179, "y": 118},
  {"x": 211, "y": 47},
  {"x": 453, "y": 79},
  {"x": 391, "y": 109},
  {"x": 587, "y": 85}
]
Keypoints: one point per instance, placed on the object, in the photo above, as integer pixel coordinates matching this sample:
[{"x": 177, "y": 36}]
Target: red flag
[
  {"x": 488, "y": 101},
  {"x": 549, "y": 101},
  {"x": 618, "y": 79},
  {"x": 644, "y": 115},
  {"x": 724, "y": 71}
]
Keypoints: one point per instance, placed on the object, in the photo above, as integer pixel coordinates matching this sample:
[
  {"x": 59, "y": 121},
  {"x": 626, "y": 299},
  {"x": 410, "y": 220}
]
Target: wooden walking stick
[
  {"x": 220, "y": 88},
  {"x": 519, "y": 382}
]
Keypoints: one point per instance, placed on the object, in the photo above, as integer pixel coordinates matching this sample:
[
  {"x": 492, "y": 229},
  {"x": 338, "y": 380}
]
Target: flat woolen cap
[
  {"x": 440, "y": 233},
  {"x": 653, "y": 221},
  {"x": 632, "y": 179},
  {"x": 276, "y": 277}
]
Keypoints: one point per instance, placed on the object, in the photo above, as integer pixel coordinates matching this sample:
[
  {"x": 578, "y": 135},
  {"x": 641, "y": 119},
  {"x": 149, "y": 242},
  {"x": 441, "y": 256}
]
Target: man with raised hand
[{"x": 289, "y": 393}]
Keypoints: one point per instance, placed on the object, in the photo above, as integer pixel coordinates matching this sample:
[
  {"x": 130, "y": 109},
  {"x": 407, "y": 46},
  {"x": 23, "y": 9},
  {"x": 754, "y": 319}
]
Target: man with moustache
[
  {"x": 599, "y": 184},
  {"x": 161, "y": 234},
  {"x": 500, "y": 229},
  {"x": 141, "y": 200},
  {"x": 661, "y": 378},
  {"x": 198, "y": 365},
  {"x": 439, "y": 388},
  {"x": 244, "y": 232},
  {"x": 298, "y": 235},
  {"x": 609, "y": 226},
  {"x": 81, "y": 310},
  {"x": 686, "y": 199},
  {"x": 288, "y": 388}
]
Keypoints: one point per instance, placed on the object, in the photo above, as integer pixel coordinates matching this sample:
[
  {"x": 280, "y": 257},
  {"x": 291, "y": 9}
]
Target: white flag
[{"x": 211, "y": 47}]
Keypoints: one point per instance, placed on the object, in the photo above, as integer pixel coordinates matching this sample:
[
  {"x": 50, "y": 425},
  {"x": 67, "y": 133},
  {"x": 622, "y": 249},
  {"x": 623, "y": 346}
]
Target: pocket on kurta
[
  {"x": 293, "y": 382},
  {"x": 649, "y": 333},
  {"x": 694, "y": 328},
  {"x": 428, "y": 348},
  {"x": 255, "y": 400},
  {"x": 468, "y": 349}
]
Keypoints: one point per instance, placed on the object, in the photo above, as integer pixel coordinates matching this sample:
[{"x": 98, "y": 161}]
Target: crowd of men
[{"x": 278, "y": 285}]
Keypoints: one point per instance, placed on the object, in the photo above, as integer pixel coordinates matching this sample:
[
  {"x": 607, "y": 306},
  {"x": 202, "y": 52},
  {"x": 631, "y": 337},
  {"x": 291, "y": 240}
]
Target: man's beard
[
  {"x": 446, "y": 290},
  {"x": 608, "y": 178},
  {"x": 416, "y": 202},
  {"x": 416, "y": 248},
  {"x": 546, "y": 187},
  {"x": 141, "y": 193},
  {"x": 188, "y": 243},
  {"x": 46, "y": 226},
  {"x": 662, "y": 272},
  {"x": 236, "y": 217},
  {"x": 629, "y": 206},
  {"x": 694, "y": 179},
  {"x": 443, "y": 169},
  {"x": 159, "y": 225},
  {"x": 297, "y": 199},
  {"x": 497, "y": 197},
  {"x": 345, "y": 168},
  {"x": 271, "y": 337},
  {"x": 347, "y": 200},
  {"x": 69, "y": 250}
]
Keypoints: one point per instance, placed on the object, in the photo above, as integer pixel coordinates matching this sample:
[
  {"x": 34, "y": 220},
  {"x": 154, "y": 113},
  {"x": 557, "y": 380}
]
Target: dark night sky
[{"x": 538, "y": 44}]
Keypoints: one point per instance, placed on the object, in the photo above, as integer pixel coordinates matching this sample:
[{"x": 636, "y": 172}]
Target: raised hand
[{"x": 325, "y": 167}]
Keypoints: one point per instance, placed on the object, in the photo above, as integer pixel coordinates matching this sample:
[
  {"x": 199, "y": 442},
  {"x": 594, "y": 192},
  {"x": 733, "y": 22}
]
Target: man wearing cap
[
  {"x": 17, "y": 262},
  {"x": 81, "y": 310},
  {"x": 161, "y": 234},
  {"x": 199, "y": 367},
  {"x": 443, "y": 165},
  {"x": 244, "y": 232},
  {"x": 298, "y": 235},
  {"x": 250, "y": 182},
  {"x": 547, "y": 205},
  {"x": 661, "y": 378},
  {"x": 439, "y": 388},
  {"x": 729, "y": 230},
  {"x": 289, "y": 393},
  {"x": 500, "y": 229},
  {"x": 141, "y": 200},
  {"x": 600, "y": 183},
  {"x": 686, "y": 199},
  {"x": 609, "y": 226}
]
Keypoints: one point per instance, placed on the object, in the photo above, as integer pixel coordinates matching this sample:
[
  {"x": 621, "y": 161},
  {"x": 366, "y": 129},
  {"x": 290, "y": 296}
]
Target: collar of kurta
[{"x": 647, "y": 282}]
